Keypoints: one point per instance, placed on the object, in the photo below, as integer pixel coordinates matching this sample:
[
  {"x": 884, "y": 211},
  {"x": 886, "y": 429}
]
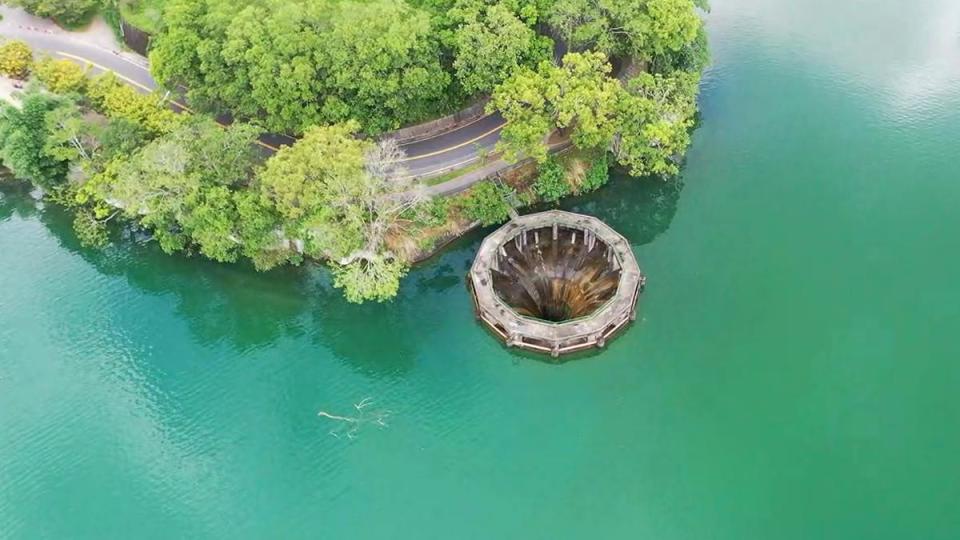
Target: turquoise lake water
[{"x": 794, "y": 374}]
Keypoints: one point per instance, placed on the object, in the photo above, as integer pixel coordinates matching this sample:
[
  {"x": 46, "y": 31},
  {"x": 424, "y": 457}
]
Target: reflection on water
[
  {"x": 234, "y": 304},
  {"x": 354, "y": 333},
  {"x": 908, "y": 53},
  {"x": 641, "y": 209},
  {"x": 221, "y": 302},
  {"x": 15, "y": 198}
]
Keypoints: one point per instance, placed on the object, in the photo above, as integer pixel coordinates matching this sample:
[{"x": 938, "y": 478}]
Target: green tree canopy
[
  {"x": 342, "y": 197},
  {"x": 68, "y": 12},
  {"x": 641, "y": 28},
  {"x": 61, "y": 76},
  {"x": 23, "y": 140},
  {"x": 492, "y": 45},
  {"x": 118, "y": 100},
  {"x": 70, "y": 135},
  {"x": 646, "y": 124},
  {"x": 183, "y": 187},
  {"x": 488, "y": 203},
  {"x": 297, "y": 181},
  {"x": 16, "y": 59},
  {"x": 551, "y": 183},
  {"x": 383, "y": 64},
  {"x": 578, "y": 95},
  {"x": 654, "y": 122},
  {"x": 293, "y": 64}
]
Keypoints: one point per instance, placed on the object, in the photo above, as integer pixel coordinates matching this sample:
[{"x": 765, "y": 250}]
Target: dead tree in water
[{"x": 349, "y": 426}]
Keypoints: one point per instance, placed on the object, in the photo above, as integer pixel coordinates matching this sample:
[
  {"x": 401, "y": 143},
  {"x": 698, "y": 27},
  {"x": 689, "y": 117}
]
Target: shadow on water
[
  {"x": 374, "y": 339},
  {"x": 641, "y": 209},
  {"x": 387, "y": 339},
  {"x": 15, "y": 199},
  {"x": 229, "y": 303},
  {"x": 235, "y": 305}
]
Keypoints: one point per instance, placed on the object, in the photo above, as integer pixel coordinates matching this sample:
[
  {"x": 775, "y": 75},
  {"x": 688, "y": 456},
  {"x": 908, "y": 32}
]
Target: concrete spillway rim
[{"x": 555, "y": 338}]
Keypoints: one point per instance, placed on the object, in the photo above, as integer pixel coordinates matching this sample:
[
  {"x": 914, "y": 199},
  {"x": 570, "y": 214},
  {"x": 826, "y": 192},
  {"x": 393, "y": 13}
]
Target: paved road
[{"x": 429, "y": 157}]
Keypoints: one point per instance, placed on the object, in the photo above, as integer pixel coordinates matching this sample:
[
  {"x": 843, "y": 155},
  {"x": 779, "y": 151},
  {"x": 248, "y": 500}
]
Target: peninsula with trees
[{"x": 270, "y": 133}]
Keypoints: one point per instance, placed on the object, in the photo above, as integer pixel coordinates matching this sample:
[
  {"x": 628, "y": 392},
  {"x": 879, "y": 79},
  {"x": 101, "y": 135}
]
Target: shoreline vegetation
[{"x": 116, "y": 156}]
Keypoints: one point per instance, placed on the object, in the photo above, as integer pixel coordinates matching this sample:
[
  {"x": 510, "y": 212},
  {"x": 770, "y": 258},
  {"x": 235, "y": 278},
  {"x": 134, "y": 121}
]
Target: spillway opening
[{"x": 555, "y": 274}]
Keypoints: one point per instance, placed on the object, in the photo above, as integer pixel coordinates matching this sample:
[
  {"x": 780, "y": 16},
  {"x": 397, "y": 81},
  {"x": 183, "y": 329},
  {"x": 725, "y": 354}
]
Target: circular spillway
[
  {"x": 555, "y": 282},
  {"x": 556, "y": 279}
]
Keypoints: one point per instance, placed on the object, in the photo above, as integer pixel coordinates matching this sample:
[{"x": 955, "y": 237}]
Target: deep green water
[{"x": 794, "y": 376}]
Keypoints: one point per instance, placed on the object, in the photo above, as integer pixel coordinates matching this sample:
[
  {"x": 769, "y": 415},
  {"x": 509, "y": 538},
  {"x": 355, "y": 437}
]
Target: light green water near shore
[{"x": 794, "y": 374}]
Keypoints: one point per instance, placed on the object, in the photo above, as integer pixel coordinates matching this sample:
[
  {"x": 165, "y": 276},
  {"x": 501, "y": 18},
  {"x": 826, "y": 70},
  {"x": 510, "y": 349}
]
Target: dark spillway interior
[{"x": 555, "y": 280}]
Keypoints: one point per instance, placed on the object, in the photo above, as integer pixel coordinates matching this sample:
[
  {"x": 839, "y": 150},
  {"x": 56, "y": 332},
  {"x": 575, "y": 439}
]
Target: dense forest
[
  {"x": 292, "y": 64},
  {"x": 618, "y": 77}
]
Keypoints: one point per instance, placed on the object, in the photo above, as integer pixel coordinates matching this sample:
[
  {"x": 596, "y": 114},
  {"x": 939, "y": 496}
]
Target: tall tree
[
  {"x": 269, "y": 52},
  {"x": 341, "y": 197},
  {"x": 182, "y": 186},
  {"x": 654, "y": 122},
  {"x": 297, "y": 182},
  {"x": 23, "y": 139},
  {"x": 585, "y": 98},
  {"x": 118, "y": 100},
  {"x": 522, "y": 100},
  {"x": 640, "y": 28},
  {"x": 383, "y": 62},
  {"x": 387, "y": 191},
  {"x": 71, "y": 137},
  {"x": 579, "y": 96},
  {"x": 294, "y": 63},
  {"x": 646, "y": 124},
  {"x": 492, "y": 45},
  {"x": 61, "y": 76}
]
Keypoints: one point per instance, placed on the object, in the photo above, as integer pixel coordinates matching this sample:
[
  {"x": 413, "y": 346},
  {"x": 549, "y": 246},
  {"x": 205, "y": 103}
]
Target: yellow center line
[
  {"x": 444, "y": 169},
  {"x": 461, "y": 145},
  {"x": 449, "y": 168},
  {"x": 148, "y": 89},
  {"x": 131, "y": 62},
  {"x": 454, "y": 130}
]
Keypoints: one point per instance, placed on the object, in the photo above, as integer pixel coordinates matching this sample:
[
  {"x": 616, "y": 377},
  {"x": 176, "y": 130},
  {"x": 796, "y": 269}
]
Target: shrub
[
  {"x": 91, "y": 231},
  {"x": 437, "y": 211},
  {"x": 487, "y": 203},
  {"x": 15, "y": 59},
  {"x": 376, "y": 279},
  {"x": 61, "y": 76},
  {"x": 551, "y": 184},
  {"x": 597, "y": 175},
  {"x": 118, "y": 100},
  {"x": 70, "y": 13}
]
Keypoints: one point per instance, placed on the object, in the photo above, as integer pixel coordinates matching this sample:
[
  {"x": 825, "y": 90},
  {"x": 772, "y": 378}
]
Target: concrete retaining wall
[
  {"x": 135, "y": 38},
  {"x": 438, "y": 126}
]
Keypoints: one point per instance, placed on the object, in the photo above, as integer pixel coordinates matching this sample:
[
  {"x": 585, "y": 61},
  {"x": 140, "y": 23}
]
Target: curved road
[{"x": 433, "y": 156}]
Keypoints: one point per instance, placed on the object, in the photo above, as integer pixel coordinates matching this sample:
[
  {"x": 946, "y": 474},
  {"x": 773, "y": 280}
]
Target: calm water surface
[{"x": 794, "y": 375}]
